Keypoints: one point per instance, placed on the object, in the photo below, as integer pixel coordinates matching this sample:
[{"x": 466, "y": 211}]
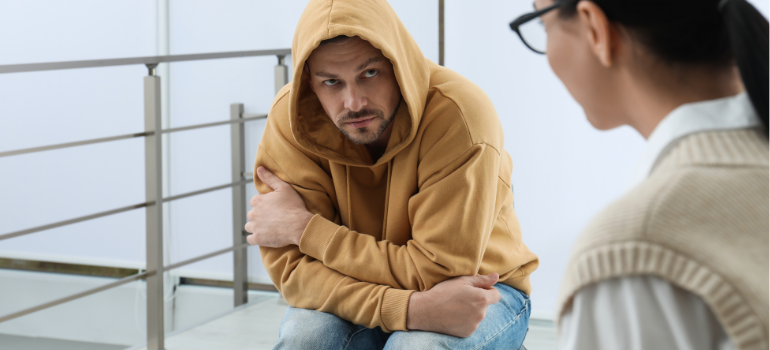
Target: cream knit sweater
[{"x": 700, "y": 221}]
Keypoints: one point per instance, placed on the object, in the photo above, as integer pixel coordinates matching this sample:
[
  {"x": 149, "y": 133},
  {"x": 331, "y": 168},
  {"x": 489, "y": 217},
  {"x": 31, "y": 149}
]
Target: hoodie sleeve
[
  {"x": 452, "y": 217},
  {"x": 304, "y": 281},
  {"x": 458, "y": 204}
]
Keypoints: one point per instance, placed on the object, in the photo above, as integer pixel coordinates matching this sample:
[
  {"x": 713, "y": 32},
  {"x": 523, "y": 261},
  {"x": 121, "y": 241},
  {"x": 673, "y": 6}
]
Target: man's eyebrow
[
  {"x": 368, "y": 62},
  {"x": 325, "y": 75}
]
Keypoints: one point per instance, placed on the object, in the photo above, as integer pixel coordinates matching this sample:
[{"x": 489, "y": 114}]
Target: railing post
[
  {"x": 281, "y": 74},
  {"x": 440, "y": 32},
  {"x": 153, "y": 171},
  {"x": 240, "y": 256}
]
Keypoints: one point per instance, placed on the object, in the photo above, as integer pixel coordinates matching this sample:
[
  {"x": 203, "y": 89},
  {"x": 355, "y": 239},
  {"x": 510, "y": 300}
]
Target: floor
[
  {"x": 255, "y": 327},
  {"x": 14, "y": 342}
]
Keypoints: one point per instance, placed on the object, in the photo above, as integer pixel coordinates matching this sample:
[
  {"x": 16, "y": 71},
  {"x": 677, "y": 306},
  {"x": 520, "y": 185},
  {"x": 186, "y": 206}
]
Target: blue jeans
[{"x": 504, "y": 327}]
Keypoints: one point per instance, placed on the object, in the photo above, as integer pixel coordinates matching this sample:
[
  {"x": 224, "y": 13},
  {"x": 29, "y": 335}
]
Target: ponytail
[
  {"x": 714, "y": 32},
  {"x": 747, "y": 31}
]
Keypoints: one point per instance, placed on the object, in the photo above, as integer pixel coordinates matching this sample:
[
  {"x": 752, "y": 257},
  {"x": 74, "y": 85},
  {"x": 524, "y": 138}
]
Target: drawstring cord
[{"x": 350, "y": 205}]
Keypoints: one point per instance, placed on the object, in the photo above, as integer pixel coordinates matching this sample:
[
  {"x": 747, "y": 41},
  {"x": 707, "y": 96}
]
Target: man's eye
[
  {"x": 370, "y": 73},
  {"x": 330, "y": 82}
]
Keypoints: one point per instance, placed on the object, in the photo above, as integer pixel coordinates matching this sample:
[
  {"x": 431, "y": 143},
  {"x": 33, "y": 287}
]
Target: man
[{"x": 383, "y": 177}]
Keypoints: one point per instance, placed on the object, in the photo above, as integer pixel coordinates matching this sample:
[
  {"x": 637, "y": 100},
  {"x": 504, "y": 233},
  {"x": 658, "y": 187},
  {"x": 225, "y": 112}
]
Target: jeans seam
[
  {"x": 521, "y": 312},
  {"x": 351, "y": 338}
]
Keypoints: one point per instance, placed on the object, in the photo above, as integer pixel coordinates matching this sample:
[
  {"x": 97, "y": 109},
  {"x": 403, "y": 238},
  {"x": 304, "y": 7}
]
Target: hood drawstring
[
  {"x": 347, "y": 192},
  {"x": 387, "y": 200}
]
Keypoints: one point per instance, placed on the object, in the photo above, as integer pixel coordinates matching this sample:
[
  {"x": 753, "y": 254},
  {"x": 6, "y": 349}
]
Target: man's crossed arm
[{"x": 454, "y": 307}]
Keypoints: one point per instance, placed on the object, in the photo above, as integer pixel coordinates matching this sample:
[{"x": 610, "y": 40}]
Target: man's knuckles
[
  {"x": 495, "y": 296},
  {"x": 466, "y": 333},
  {"x": 257, "y": 238},
  {"x": 490, "y": 298},
  {"x": 468, "y": 330},
  {"x": 254, "y": 200},
  {"x": 477, "y": 317}
]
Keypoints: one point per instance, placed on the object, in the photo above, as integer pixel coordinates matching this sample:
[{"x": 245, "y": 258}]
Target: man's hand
[
  {"x": 454, "y": 307},
  {"x": 278, "y": 218}
]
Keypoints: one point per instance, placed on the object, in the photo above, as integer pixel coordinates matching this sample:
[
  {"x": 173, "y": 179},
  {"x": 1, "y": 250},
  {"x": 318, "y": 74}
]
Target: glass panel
[{"x": 111, "y": 319}]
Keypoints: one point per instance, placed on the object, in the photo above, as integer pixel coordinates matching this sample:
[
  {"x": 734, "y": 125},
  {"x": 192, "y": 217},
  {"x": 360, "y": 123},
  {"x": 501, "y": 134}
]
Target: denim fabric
[{"x": 504, "y": 327}]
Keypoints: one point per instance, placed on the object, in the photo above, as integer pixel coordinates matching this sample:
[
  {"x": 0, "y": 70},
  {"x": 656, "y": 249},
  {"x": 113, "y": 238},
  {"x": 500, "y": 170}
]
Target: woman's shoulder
[
  {"x": 738, "y": 148},
  {"x": 696, "y": 221},
  {"x": 706, "y": 182}
]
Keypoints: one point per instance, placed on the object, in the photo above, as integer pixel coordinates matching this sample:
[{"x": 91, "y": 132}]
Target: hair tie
[{"x": 721, "y": 4}]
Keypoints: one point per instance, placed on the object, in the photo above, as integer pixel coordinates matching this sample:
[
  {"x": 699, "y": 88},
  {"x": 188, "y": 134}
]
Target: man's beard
[{"x": 362, "y": 136}]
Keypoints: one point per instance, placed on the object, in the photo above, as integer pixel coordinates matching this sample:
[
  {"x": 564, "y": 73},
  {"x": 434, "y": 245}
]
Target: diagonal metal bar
[
  {"x": 116, "y": 211},
  {"x": 210, "y": 189},
  {"x": 119, "y": 282},
  {"x": 37, "y": 67},
  {"x": 71, "y": 221},
  {"x": 204, "y": 257},
  {"x": 72, "y": 144},
  {"x": 128, "y": 136},
  {"x": 207, "y": 125}
]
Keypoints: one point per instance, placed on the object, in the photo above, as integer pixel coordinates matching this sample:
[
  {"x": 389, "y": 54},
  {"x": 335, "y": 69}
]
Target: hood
[{"x": 376, "y": 22}]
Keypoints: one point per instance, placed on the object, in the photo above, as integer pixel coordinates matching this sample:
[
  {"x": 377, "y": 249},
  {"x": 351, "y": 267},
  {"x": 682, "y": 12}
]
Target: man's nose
[{"x": 355, "y": 99}]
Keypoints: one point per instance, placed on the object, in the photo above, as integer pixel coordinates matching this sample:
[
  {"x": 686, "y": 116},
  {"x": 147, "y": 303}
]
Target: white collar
[{"x": 734, "y": 112}]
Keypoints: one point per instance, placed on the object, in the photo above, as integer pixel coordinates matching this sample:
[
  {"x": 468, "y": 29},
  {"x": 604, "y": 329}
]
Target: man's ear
[
  {"x": 306, "y": 71},
  {"x": 601, "y": 35}
]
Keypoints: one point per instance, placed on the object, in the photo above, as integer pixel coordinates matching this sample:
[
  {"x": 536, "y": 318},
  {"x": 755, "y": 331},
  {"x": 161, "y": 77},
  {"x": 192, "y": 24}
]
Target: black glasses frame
[{"x": 518, "y": 22}]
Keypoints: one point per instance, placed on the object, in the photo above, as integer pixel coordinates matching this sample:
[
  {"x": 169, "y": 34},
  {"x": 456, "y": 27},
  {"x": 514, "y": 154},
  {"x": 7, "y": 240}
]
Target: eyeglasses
[{"x": 532, "y": 33}]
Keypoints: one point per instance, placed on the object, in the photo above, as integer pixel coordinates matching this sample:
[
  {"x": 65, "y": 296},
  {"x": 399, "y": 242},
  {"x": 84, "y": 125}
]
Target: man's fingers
[
  {"x": 253, "y": 201},
  {"x": 493, "y": 296},
  {"x": 485, "y": 281},
  {"x": 269, "y": 178}
]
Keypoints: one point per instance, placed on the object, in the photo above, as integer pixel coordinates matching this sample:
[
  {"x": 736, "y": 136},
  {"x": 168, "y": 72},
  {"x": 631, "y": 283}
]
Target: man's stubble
[{"x": 362, "y": 135}]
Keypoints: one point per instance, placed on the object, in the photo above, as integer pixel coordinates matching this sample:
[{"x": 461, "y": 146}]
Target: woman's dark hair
[{"x": 719, "y": 32}]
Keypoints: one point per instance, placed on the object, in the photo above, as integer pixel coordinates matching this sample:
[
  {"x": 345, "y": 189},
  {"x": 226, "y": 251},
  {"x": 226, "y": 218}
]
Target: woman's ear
[{"x": 600, "y": 33}]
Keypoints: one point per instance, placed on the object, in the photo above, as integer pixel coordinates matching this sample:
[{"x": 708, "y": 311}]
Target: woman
[{"x": 681, "y": 260}]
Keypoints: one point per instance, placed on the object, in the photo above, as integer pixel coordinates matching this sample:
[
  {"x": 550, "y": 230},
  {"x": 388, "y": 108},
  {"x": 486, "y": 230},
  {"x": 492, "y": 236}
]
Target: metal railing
[{"x": 153, "y": 183}]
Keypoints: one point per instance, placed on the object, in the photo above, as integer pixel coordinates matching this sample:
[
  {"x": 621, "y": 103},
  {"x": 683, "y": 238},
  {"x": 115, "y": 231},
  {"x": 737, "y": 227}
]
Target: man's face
[{"x": 356, "y": 86}]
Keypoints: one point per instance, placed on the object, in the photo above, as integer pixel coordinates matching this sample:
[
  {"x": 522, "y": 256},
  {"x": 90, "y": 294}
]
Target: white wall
[{"x": 564, "y": 171}]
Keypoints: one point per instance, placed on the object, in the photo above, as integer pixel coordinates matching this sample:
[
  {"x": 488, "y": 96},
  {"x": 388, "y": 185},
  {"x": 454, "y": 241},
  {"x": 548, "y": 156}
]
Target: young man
[{"x": 383, "y": 177}]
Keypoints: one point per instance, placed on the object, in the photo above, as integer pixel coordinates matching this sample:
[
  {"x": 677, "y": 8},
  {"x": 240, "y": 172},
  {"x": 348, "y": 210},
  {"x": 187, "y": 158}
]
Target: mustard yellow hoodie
[{"x": 436, "y": 205}]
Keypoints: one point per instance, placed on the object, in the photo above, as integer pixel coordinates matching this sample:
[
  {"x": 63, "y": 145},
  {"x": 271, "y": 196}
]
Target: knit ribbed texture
[
  {"x": 395, "y": 305},
  {"x": 316, "y": 236},
  {"x": 700, "y": 221}
]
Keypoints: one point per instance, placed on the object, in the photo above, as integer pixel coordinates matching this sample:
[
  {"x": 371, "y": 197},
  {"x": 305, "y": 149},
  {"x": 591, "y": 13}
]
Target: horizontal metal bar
[
  {"x": 37, "y": 67},
  {"x": 205, "y": 190},
  {"x": 127, "y": 136},
  {"x": 208, "y": 125},
  {"x": 74, "y": 296},
  {"x": 117, "y": 283},
  {"x": 116, "y": 211},
  {"x": 204, "y": 257},
  {"x": 253, "y": 115},
  {"x": 71, "y": 144},
  {"x": 71, "y": 221}
]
